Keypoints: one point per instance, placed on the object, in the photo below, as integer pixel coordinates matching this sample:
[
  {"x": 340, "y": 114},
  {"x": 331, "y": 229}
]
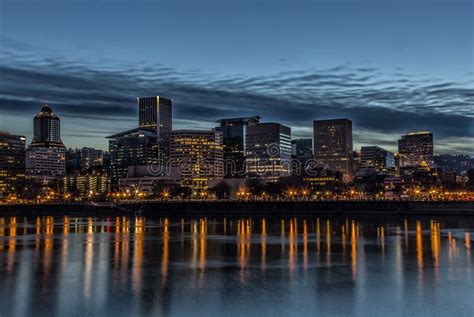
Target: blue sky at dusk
[{"x": 390, "y": 66}]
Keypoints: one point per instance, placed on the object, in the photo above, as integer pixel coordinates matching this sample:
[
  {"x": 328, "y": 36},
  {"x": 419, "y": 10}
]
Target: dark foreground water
[{"x": 127, "y": 266}]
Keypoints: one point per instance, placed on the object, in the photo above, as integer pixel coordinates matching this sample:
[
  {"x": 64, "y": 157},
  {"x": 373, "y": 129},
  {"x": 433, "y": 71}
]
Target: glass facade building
[
  {"x": 234, "y": 133},
  {"x": 131, "y": 148},
  {"x": 268, "y": 153},
  {"x": 416, "y": 149},
  {"x": 377, "y": 158}
]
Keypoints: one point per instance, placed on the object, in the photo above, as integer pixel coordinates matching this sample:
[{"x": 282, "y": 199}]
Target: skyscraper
[
  {"x": 333, "y": 146},
  {"x": 416, "y": 149},
  {"x": 12, "y": 163},
  {"x": 198, "y": 156},
  {"x": 46, "y": 155},
  {"x": 155, "y": 114},
  {"x": 268, "y": 153},
  {"x": 234, "y": 132}
]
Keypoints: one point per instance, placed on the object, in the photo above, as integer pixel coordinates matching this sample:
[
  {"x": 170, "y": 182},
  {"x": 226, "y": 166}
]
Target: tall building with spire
[{"x": 46, "y": 155}]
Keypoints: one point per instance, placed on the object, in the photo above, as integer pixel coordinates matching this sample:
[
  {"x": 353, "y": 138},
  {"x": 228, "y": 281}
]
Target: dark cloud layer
[{"x": 104, "y": 97}]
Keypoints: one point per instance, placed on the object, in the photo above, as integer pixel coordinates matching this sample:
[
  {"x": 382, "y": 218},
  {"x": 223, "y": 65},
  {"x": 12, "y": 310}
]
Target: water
[{"x": 127, "y": 266}]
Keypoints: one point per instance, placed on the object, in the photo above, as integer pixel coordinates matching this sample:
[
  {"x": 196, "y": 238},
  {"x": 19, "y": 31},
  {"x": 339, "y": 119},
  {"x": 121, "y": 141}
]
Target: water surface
[{"x": 249, "y": 266}]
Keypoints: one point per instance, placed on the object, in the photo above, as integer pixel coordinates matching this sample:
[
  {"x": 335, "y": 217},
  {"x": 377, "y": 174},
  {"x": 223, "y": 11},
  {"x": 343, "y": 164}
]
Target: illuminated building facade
[
  {"x": 268, "y": 154},
  {"x": 46, "y": 155},
  {"x": 416, "y": 149},
  {"x": 198, "y": 156},
  {"x": 85, "y": 185},
  {"x": 131, "y": 148},
  {"x": 333, "y": 146},
  {"x": 234, "y": 132},
  {"x": 12, "y": 163}
]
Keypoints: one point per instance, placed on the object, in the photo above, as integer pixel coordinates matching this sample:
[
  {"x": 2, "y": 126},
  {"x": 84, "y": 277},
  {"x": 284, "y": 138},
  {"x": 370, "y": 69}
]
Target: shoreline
[{"x": 438, "y": 208}]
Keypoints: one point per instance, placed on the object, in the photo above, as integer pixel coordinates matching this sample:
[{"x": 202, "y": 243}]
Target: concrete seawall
[{"x": 252, "y": 207}]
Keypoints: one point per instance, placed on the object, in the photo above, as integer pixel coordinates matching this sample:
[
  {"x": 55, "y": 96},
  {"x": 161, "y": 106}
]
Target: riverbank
[{"x": 456, "y": 208}]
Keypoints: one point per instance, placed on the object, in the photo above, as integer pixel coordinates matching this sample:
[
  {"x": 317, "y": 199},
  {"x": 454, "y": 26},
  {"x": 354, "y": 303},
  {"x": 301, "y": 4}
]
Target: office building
[
  {"x": 234, "y": 133},
  {"x": 155, "y": 114},
  {"x": 377, "y": 158},
  {"x": 198, "y": 156},
  {"x": 95, "y": 184},
  {"x": 12, "y": 163},
  {"x": 333, "y": 146},
  {"x": 131, "y": 148},
  {"x": 46, "y": 155},
  {"x": 268, "y": 153},
  {"x": 301, "y": 153},
  {"x": 416, "y": 149},
  {"x": 91, "y": 158}
]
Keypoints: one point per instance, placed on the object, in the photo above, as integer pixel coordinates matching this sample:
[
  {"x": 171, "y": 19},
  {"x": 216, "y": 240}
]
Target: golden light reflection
[
  {"x": 292, "y": 244},
  {"x": 11, "y": 244},
  {"x": 66, "y": 224},
  {"x": 328, "y": 237},
  {"x": 318, "y": 236},
  {"x": 343, "y": 239},
  {"x": 243, "y": 245},
  {"x": 202, "y": 244},
  {"x": 89, "y": 258},
  {"x": 353, "y": 249},
  {"x": 435, "y": 243},
  {"x": 467, "y": 240},
  {"x": 419, "y": 249},
  {"x": 38, "y": 225},
  {"x": 381, "y": 238},
  {"x": 138, "y": 255},
  {"x": 48, "y": 244},
  {"x": 165, "y": 253}
]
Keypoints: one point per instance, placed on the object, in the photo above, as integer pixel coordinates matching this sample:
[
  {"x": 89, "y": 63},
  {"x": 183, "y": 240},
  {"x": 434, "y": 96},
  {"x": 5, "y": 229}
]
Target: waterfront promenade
[{"x": 458, "y": 208}]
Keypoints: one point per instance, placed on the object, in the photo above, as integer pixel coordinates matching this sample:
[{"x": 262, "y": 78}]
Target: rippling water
[{"x": 124, "y": 266}]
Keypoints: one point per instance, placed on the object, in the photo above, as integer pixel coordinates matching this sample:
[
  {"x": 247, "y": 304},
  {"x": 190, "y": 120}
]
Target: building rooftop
[
  {"x": 244, "y": 119},
  {"x": 131, "y": 132}
]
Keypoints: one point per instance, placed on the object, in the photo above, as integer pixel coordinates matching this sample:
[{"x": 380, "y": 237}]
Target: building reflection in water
[{"x": 73, "y": 254}]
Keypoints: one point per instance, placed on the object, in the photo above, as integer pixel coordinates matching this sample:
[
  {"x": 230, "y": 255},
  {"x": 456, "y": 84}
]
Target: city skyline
[
  {"x": 392, "y": 148},
  {"x": 362, "y": 66}
]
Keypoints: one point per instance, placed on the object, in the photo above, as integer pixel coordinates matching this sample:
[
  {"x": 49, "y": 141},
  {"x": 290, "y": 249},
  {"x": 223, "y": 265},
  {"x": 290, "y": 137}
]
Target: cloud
[{"x": 101, "y": 97}]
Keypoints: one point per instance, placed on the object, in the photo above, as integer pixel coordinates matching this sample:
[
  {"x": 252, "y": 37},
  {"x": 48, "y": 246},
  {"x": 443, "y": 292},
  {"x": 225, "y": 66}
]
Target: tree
[
  {"x": 222, "y": 190},
  {"x": 255, "y": 186}
]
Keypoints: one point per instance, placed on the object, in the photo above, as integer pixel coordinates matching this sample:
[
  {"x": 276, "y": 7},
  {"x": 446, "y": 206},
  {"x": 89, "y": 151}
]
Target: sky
[{"x": 391, "y": 66}]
